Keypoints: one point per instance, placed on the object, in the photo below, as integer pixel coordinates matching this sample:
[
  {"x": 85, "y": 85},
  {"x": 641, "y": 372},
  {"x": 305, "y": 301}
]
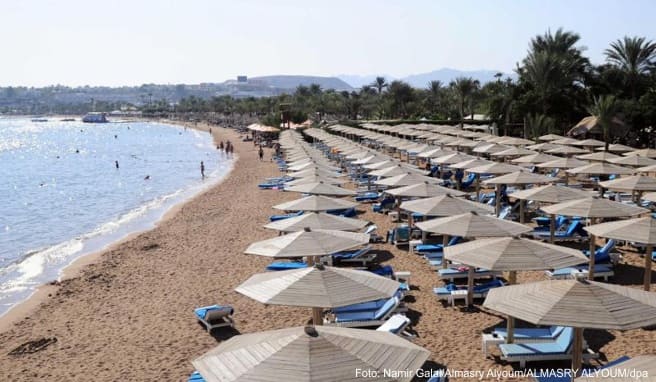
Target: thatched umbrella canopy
[
  {"x": 320, "y": 188},
  {"x": 490, "y": 148},
  {"x": 601, "y": 168},
  {"x": 550, "y": 137},
  {"x": 310, "y": 354},
  {"x": 647, "y": 169},
  {"x": 590, "y": 143},
  {"x": 550, "y": 194},
  {"x": 514, "y": 141},
  {"x": 590, "y": 123},
  {"x": 566, "y": 150},
  {"x": 642, "y": 366},
  {"x": 423, "y": 190},
  {"x": 649, "y": 153},
  {"x": 325, "y": 166},
  {"x": 562, "y": 163},
  {"x": 578, "y": 304},
  {"x": 379, "y": 165},
  {"x": 407, "y": 179},
  {"x": 396, "y": 170},
  {"x": 470, "y": 163},
  {"x": 616, "y": 148},
  {"x": 314, "y": 171},
  {"x": 534, "y": 158},
  {"x": 598, "y": 156},
  {"x": 520, "y": 178},
  {"x": 434, "y": 153},
  {"x": 494, "y": 168},
  {"x": 444, "y": 205},
  {"x": 565, "y": 141},
  {"x": 631, "y": 183},
  {"x": 513, "y": 151},
  {"x": 318, "y": 242},
  {"x": 371, "y": 159},
  {"x": 315, "y": 203},
  {"x": 262, "y": 128},
  {"x": 318, "y": 287},
  {"x": 314, "y": 179},
  {"x": 634, "y": 160},
  {"x": 452, "y": 158},
  {"x": 593, "y": 208},
  {"x": 541, "y": 147},
  {"x": 317, "y": 221},
  {"x": 472, "y": 224},
  {"x": 641, "y": 230}
]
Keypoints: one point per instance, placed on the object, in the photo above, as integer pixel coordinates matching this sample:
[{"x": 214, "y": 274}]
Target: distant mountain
[
  {"x": 421, "y": 80},
  {"x": 291, "y": 82}
]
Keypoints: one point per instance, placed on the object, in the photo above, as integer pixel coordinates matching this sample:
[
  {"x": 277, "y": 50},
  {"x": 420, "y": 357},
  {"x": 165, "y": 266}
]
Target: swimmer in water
[
  {"x": 116, "y": 163},
  {"x": 147, "y": 177}
]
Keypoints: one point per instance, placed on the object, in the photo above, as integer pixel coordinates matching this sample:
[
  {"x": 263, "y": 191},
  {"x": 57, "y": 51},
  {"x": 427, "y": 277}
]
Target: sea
[{"x": 62, "y": 194}]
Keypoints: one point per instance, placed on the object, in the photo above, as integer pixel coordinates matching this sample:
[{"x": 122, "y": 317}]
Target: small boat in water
[
  {"x": 95, "y": 118},
  {"x": 68, "y": 119},
  {"x": 39, "y": 120}
]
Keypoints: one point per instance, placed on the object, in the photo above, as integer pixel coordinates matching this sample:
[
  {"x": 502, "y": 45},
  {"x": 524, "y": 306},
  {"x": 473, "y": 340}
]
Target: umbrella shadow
[
  {"x": 597, "y": 338},
  {"x": 428, "y": 369},
  {"x": 382, "y": 255},
  {"x": 627, "y": 274},
  {"x": 222, "y": 334}
]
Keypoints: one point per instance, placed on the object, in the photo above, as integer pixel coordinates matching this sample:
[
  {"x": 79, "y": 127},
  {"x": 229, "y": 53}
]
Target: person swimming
[
  {"x": 116, "y": 163},
  {"x": 147, "y": 177}
]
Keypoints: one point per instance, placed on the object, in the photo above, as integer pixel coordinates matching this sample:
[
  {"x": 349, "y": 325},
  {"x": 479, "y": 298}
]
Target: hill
[
  {"x": 421, "y": 80},
  {"x": 292, "y": 81}
]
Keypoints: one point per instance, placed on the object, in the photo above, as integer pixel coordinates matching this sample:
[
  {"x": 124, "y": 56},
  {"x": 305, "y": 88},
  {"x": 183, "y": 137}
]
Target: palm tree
[
  {"x": 604, "y": 108},
  {"x": 380, "y": 84},
  {"x": 464, "y": 88},
  {"x": 434, "y": 92},
  {"x": 538, "y": 124},
  {"x": 633, "y": 56}
]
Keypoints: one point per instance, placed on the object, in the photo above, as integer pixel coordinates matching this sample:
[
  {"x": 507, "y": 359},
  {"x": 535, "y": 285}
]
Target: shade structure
[
  {"x": 513, "y": 254},
  {"x": 315, "y": 203},
  {"x": 535, "y": 158},
  {"x": 562, "y": 163},
  {"x": 642, "y": 367},
  {"x": 590, "y": 143},
  {"x": 514, "y": 151},
  {"x": 576, "y": 303},
  {"x": 396, "y": 170},
  {"x": 520, "y": 177},
  {"x": 407, "y": 179},
  {"x": 314, "y": 171},
  {"x": 593, "y": 208},
  {"x": 641, "y": 230},
  {"x": 649, "y": 153},
  {"x": 318, "y": 286},
  {"x": 600, "y": 156},
  {"x": 310, "y": 354},
  {"x": 565, "y": 141},
  {"x": 379, "y": 165},
  {"x": 451, "y": 158},
  {"x": 514, "y": 141},
  {"x": 320, "y": 188},
  {"x": 322, "y": 165},
  {"x": 423, "y": 190},
  {"x": 470, "y": 163},
  {"x": 550, "y": 194},
  {"x": 616, "y": 148},
  {"x": 550, "y": 137},
  {"x": 262, "y": 128},
  {"x": 434, "y": 153},
  {"x": 541, "y": 147},
  {"x": 317, "y": 221},
  {"x": 647, "y": 169},
  {"x": 471, "y": 224},
  {"x": 566, "y": 150},
  {"x": 444, "y": 205},
  {"x": 371, "y": 159},
  {"x": 494, "y": 168},
  {"x": 314, "y": 179},
  {"x": 631, "y": 183},
  {"x": 601, "y": 168},
  {"x": 650, "y": 196},
  {"x": 318, "y": 242},
  {"x": 490, "y": 148},
  {"x": 633, "y": 160}
]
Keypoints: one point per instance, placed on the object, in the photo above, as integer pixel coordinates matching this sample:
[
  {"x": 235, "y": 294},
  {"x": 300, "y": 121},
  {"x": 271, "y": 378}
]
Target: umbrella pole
[
  {"x": 478, "y": 188},
  {"x": 647, "y": 279},
  {"x": 592, "y": 254},
  {"x": 470, "y": 286},
  {"x": 445, "y": 242},
  {"x": 510, "y": 328},
  {"x": 552, "y": 228},
  {"x": 317, "y": 318},
  {"x": 577, "y": 351},
  {"x": 497, "y": 199}
]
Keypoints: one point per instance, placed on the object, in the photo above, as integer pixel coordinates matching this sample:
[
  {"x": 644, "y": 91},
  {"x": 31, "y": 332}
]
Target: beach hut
[
  {"x": 521, "y": 178},
  {"x": 575, "y": 303},
  {"x": 316, "y": 203},
  {"x": 320, "y": 188},
  {"x": 311, "y": 354},
  {"x": 641, "y": 230},
  {"x": 318, "y": 287},
  {"x": 317, "y": 220},
  {"x": 593, "y": 209},
  {"x": 308, "y": 242}
]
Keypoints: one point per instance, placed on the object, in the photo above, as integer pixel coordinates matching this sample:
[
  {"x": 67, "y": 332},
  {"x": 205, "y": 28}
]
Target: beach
[{"x": 126, "y": 313}]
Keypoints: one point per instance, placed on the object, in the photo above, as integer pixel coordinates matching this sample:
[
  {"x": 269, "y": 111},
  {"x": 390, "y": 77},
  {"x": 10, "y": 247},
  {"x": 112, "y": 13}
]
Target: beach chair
[
  {"x": 365, "y": 318},
  {"x": 274, "y": 218},
  {"x": 385, "y": 205},
  {"x": 603, "y": 255},
  {"x": 574, "y": 232},
  {"x": 286, "y": 265},
  {"x": 468, "y": 181},
  {"x": 600, "y": 271},
  {"x": 480, "y": 290},
  {"x": 427, "y": 249},
  {"x": 399, "y": 235},
  {"x": 451, "y": 274},
  {"x": 396, "y": 325},
  {"x": 372, "y": 305},
  {"x": 368, "y": 197},
  {"x": 361, "y": 256},
  {"x": 554, "y": 377},
  {"x": 215, "y": 316},
  {"x": 521, "y": 335},
  {"x": 374, "y": 237},
  {"x": 195, "y": 377}
]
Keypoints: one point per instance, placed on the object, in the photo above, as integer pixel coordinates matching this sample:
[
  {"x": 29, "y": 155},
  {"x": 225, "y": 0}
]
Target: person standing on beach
[
  {"x": 261, "y": 153},
  {"x": 202, "y": 169},
  {"x": 221, "y": 145}
]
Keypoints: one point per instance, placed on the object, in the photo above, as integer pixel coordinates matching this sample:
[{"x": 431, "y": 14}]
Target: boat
[
  {"x": 95, "y": 118},
  {"x": 68, "y": 119},
  {"x": 39, "y": 120}
]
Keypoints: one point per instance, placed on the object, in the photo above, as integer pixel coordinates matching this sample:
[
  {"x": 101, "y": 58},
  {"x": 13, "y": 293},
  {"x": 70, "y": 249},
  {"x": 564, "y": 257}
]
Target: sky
[{"x": 119, "y": 42}]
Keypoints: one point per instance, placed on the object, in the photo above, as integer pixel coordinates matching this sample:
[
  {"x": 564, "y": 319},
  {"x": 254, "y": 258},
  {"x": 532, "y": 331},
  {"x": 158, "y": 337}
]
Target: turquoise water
[{"x": 61, "y": 195}]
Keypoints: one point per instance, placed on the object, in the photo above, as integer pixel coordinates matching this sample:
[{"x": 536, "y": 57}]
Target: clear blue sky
[{"x": 77, "y": 42}]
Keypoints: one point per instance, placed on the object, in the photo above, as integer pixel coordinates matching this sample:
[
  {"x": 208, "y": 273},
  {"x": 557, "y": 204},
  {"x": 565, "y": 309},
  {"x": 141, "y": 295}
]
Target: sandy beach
[{"x": 128, "y": 315}]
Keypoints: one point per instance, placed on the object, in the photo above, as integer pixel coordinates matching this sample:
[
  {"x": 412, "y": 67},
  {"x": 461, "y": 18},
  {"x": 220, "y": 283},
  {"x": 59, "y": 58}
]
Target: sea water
[{"x": 61, "y": 195}]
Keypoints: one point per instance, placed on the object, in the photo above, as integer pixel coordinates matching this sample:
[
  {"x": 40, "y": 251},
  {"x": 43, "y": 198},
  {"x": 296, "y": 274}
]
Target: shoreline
[{"x": 42, "y": 292}]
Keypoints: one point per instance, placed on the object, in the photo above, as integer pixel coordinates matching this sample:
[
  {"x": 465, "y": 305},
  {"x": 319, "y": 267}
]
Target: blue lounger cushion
[
  {"x": 598, "y": 268},
  {"x": 202, "y": 312},
  {"x": 384, "y": 270},
  {"x": 561, "y": 345},
  {"x": 555, "y": 378},
  {"x": 389, "y": 305},
  {"x": 351, "y": 254},
  {"x": 453, "y": 271},
  {"x": 196, "y": 377},
  {"x": 286, "y": 265},
  {"x": 367, "y": 306},
  {"x": 549, "y": 333},
  {"x": 446, "y": 290}
]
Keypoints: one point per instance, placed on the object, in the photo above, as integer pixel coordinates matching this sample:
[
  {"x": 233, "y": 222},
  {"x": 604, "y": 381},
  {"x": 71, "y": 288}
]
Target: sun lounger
[
  {"x": 558, "y": 349},
  {"x": 574, "y": 232},
  {"x": 521, "y": 335},
  {"x": 215, "y": 316},
  {"x": 195, "y": 377},
  {"x": 366, "y": 318},
  {"x": 286, "y": 265},
  {"x": 368, "y": 197},
  {"x": 451, "y": 292},
  {"x": 370, "y": 305},
  {"x": 429, "y": 248},
  {"x": 452, "y": 274},
  {"x": 399, "y": 235},
  {"x": 361, "y": 256},
  {"x": 600, "y": 271},
  {"x": 553, "y": 377},
  {"x": 603, "y": 255},
  {"x": 274, "y": 218},
  {"x": 384, "y": 205},
  {"x": 468, "y": 181},
  {"x": 396, "y": 325}
]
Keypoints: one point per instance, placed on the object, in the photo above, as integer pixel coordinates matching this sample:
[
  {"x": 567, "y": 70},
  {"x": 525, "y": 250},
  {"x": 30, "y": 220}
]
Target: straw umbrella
[
  {"x": 521, "y": 178},
  {"x": 636, "y": 184},
  {"x": 601, "y": 168},
  {"x": 512, "y": 254},
  {"x": 311, "y": 164},
  {"x": 599, "y": 156},
  {"x": 541, "y": 147},
  {"x": 318, "y": 287},
  {"x": 444, "y": 205},
  {"x": 314, "y": 179},
  {"x": 634, "y": 160},
  {"x": 563, "y": 163},
  {"x": 310, "y": 354},
  {"x": 471, "y": 224},
  {"x": 649, "y": 153},
  {"x": 514, "y": 141},
  {"x": 490, "y": 148},
  {"x": 590, "y": 143},
  {"x": 578, "y": 304},
  {"x": 593, "y": 208},
  {"x": 644, "y": 367},
  {"x": 534, "y": 158},
  {"x": 316, "y": 203},
  {"x": 318, "y": 242},
  {"x": 494, "y": 169},
  {"x": 565, "y": 141},
  {"x": 314, "y": 171},
  {"x": 407, "y": 179},
  {"x": 423, "y": 190},
  {"x": 513, "y": 152},
  {"x": 396, "y": 170},
  {"x": 550, "y": 194},
  {"x": 550, "y": 137},
  {"x": 320, "y": 188},
  {"x": 566, "y": 150},
  {"x": 317, "y": 221},
  {"x": 616, "y": 148},
  {"x": 471, "y": 163},
  {"x": 642, "y": 230}
]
